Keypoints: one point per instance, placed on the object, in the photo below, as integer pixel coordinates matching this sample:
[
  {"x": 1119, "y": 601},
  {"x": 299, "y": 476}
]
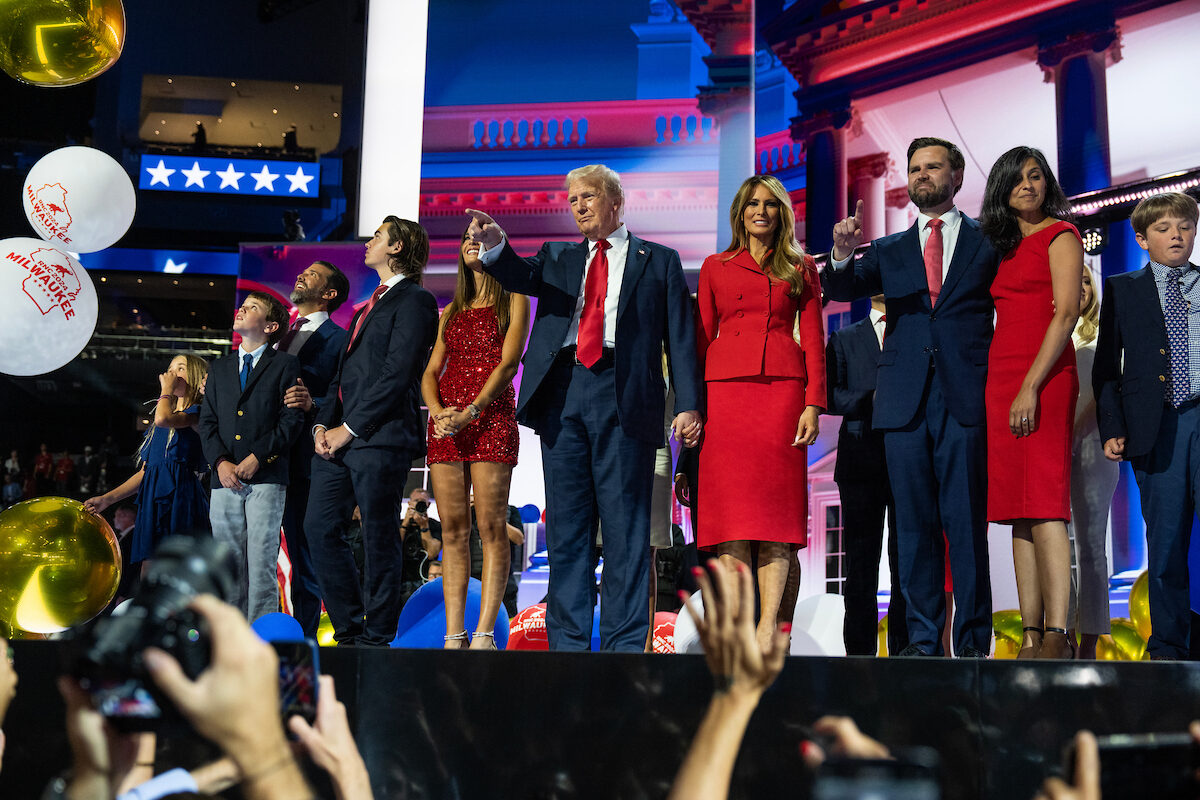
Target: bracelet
[
  {"x": 473, "y": 410},
  {"x": 165, "y": 396},
  {"x": 722, "y": 683}
]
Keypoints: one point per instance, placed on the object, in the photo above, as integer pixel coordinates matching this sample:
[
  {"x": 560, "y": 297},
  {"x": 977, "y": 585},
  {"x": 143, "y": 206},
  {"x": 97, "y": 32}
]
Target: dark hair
[
  {"x": 414, "y": 247},
  {"x": 337, "y": 281},
  {"x": 471, "y": 285},
  {"x": 998, "y": 220},
  {"x": 277, "y": 312},
  {"x": 957, "y": 162},
  {"x": 1157, "y": 206}
]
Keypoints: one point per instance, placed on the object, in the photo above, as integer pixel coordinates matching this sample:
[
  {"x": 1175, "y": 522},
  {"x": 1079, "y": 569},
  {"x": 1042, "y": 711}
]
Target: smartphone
[
  {"x": 913, "y": 776},
  {"x": 298, "y": 671},
  {"x": 1138, "y": 765}
]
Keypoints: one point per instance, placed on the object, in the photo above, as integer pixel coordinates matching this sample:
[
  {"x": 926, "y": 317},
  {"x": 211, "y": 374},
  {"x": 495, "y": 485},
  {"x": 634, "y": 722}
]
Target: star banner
[{"x": 229, "y": 176}]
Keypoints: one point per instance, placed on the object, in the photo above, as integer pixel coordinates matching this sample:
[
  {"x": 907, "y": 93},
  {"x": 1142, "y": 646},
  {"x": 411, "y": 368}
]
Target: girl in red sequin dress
[{"x": 473, "y": 435}]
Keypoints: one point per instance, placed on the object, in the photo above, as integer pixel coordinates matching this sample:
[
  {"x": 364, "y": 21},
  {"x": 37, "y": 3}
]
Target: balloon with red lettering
[
  {"x": 48, "y": 305},
  {"x": 79, "y": 199},
  {"x": 60, "y": 42}
]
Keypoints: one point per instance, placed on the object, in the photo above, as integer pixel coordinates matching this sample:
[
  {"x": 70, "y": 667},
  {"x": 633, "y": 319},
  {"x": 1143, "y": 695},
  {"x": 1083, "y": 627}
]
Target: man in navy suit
[
  {"x": 247, "y": 433},
  {"x": 1147, "y": 383},
  {"x": 318, "y": 342},
  {"x": 593, "y": 390},
  {"x": 937, "y": 277},
  {"x": 852, "y": 365},
  {"x": 367, "y": 434}
]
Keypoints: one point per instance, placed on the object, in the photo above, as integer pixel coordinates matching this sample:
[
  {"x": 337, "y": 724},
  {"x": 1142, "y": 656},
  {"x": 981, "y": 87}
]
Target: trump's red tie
[{"x": 590, "y": 345}]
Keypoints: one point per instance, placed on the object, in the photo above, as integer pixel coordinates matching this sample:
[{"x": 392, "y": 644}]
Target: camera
[
  {"x": 108, "y": 658},
  {"x": 421, "y": 506}
]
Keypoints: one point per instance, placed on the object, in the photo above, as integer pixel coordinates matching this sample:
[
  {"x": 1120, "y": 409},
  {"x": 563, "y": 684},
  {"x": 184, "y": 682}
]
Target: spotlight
[{"x": 1095, "y": 240}]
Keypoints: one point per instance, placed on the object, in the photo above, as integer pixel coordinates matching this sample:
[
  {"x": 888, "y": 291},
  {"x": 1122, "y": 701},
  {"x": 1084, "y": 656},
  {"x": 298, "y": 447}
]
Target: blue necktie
[
  {"x": 1175, "y": 315},
  {"x": 247, "y": 365}
]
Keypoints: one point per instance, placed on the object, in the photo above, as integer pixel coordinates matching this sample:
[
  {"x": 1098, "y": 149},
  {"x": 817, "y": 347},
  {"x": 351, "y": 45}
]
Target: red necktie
[
  {"x": 378, "y": 293},
  {"x": 590, "y": 344},
  {"x": 290, "y": 336},
  {"x": 933, "y": 260},
  {"x": 883, "y": 319}
]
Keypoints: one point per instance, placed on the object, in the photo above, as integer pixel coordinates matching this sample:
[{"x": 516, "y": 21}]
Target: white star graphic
[
  {"x": 264, "y": 179},
  {"x": 173, "y": 268},
  {"x": 230, "y": 177},
  {"x": 195, "y": 175},
  {"x": 299, "y": 181},
  {"x": 160, "y": 174}
]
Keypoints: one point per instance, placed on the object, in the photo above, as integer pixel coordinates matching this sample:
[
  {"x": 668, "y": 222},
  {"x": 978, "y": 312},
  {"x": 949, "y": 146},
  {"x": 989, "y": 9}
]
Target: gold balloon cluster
[
  {"x": 59, "y": 565},
  {"x": 60, "y": 42},
  {"x": 883, "y": 632},
  {"x": 325, "y": 631},
  {"x": 1008, "y": 629}
]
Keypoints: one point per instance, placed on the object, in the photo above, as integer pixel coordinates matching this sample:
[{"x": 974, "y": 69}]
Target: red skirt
[{"x": 753, "y": 483}]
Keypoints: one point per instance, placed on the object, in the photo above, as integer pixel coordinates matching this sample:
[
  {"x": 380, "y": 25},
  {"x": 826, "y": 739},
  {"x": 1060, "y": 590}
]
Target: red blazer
[{"x": 747, "y": 322}]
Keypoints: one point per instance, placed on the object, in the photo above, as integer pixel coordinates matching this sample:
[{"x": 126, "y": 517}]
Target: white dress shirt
[
  {"x": 255, "y": 356},
  {"x": 878, "y": 323}
]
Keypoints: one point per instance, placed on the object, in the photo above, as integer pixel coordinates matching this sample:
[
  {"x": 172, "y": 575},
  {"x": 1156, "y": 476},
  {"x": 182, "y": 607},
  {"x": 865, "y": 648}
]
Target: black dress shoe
[
  {"x": 912, "y": 651},
  {"x": 971, "y": 652}
]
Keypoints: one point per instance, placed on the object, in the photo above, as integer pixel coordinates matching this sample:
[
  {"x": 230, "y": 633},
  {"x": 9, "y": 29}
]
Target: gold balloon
[
  {"x": 882, "y": 633},
  {"x": 60, "y": 42},
  {"x": 59, "y": 565},
  {"x": 325, "y": 631},
  {"x": 1007, "y": 627},
  {"x": 1124, "y": 644},
  {"x": 1139, "y": 605}
]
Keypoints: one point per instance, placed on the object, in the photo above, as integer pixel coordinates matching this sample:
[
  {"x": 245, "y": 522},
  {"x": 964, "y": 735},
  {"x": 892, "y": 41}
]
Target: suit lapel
[
  {"x": 1146, "y": 297},
  {"x": 969, "y": 240},
  {"x": 909, "y": 247},
  {"x": 635, "y": 264},
  {"x": 264, "y": 363},
  {"x": 315, "y": 340},
  {"x": 390, "y": 296}
]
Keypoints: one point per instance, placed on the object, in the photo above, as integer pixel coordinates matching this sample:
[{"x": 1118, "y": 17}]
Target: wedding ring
[{"x": 1024, "y": 419}]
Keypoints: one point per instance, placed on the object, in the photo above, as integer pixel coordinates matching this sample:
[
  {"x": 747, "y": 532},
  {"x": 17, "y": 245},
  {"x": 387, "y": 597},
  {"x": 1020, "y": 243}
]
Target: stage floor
[{"x": 435, "y": 724}]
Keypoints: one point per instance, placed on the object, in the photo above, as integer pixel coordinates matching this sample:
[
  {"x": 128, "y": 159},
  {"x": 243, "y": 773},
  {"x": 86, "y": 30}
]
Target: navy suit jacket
[
  {"x": 235, "y": 423},
  {"x": 1130, "y": 398},
  {"x": 654, "y": 311},
  {"x": 955, "y": 336},
  {"x": 379, "y": 375},
  {"x": 852, "y": 365},
  {"x": 319, "y": 357}
]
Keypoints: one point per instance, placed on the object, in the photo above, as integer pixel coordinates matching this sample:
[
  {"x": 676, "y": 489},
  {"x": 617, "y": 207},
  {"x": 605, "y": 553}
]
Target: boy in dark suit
[
  {"x": 1147, "y": 383},
  {"x": 367, "y": 434},
  {"x": 247, "y": 433}
]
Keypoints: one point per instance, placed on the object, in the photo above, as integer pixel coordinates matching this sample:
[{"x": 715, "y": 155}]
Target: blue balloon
[
  {"x": 278, "y": 627},
  {"x": 530, "y": 514},
  {"x": 423, "y": 619}
]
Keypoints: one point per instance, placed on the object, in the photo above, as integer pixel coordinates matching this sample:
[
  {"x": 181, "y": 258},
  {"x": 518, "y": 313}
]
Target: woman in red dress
[
  {"x": 473, "y": 436},
  {"x": 765, "y": 390},
  {"x": 1032, "y": 387}
]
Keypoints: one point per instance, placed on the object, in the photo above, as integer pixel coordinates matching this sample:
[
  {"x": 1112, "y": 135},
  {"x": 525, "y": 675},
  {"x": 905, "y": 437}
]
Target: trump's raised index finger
[{"x": 479, "y": 217}]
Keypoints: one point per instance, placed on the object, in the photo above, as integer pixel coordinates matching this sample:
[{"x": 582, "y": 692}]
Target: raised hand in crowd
[
  {"x": 847, "y": 741},
  {"x": 483, "y": 229},
  {"x": 235, "y": 702},
  {"x": 1085, "y": 783},
  {"x": 298, "y": 396},
  {"x": 331, "y": 746},
  {"x": 741, "y": 672}
]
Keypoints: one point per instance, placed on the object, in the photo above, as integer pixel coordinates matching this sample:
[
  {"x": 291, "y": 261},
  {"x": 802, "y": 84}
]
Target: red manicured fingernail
[
  {"x": 683, "y": 595},
  {"x": 786, "y": 627},
  {"x": 806, "y": 748},
  {"x": 697, "y": 572}
]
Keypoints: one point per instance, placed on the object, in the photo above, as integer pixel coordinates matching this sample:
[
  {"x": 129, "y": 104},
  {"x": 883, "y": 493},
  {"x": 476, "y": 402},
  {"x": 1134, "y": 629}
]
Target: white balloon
[
  {"x": 79, "y": 198},
  {"x": 48, "y": 305}
]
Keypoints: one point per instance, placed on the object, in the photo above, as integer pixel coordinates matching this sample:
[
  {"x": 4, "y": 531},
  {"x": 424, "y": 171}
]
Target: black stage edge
[{"x": 435, "y": 724}]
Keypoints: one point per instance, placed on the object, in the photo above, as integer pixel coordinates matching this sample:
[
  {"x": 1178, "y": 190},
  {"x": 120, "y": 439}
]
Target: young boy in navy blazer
[
  {"x": 1147, "y": 383},
  {"x": 247, "y": 433}
]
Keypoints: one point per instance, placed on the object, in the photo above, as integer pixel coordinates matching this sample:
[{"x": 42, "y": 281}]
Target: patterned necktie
[
  {"x": 247, "y": 365},
  {"x": 933, "y": 260},
  {"x": 290, "y": 336},
  {"x": 378, "y": 293},
  {"x": 590, "y": 344},
  {"x": 1175, "y": 315}
]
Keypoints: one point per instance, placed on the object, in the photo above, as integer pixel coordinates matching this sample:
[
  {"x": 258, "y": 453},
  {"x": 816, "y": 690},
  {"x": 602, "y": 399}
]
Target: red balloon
[
  {"x": 527, "y": 631},
  {"x": 663, "y": 640}
]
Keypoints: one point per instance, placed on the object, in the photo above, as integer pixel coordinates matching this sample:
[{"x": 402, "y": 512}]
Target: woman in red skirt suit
[
  {"x": 1032, "y": 387},
  {"x": 472, "y": 441},
  {"x": 765, "y": 391}
]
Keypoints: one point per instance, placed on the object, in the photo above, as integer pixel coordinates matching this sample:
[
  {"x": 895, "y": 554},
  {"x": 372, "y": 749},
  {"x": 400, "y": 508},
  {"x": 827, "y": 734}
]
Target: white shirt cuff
[
  {"x": 839, "y": 264},
  {"x": 173, "y": 782},
  {"x": 492, "y": 254}
]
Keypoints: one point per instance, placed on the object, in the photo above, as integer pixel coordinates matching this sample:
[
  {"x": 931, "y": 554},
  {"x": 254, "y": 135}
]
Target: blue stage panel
[{"x": 245, "y": 176}]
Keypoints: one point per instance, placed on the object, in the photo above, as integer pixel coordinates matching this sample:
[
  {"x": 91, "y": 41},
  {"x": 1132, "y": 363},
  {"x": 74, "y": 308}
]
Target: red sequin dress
[{"x": 473, "y": 349}]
